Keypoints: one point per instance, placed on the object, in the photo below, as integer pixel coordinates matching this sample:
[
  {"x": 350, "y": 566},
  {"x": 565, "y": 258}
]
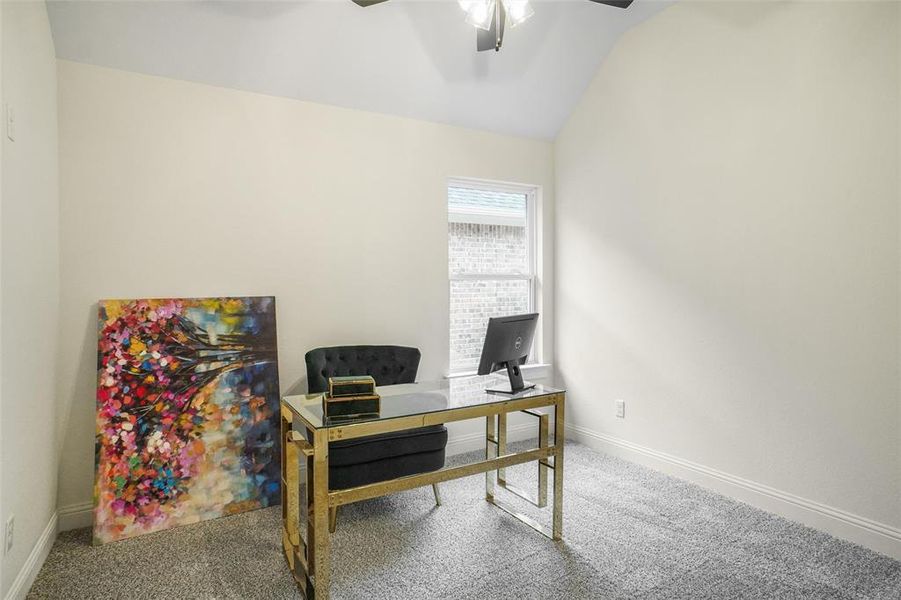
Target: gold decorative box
[
  {"x": 351, "y": 407},
  {"x": 351, "y": 398},
  {"x": 353, "y": 385}
]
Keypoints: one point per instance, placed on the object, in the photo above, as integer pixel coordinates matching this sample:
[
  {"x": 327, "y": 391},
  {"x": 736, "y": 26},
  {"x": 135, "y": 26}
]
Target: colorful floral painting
[{"x": 187, "y": 412}]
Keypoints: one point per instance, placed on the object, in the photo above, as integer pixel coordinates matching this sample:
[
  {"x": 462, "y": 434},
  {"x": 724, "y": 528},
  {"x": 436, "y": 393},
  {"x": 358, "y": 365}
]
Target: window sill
[{"x": 534, "y": 368}]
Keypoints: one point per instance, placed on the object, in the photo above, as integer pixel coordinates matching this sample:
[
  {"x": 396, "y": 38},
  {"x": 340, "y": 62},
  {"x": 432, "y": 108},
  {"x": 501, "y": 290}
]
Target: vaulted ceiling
[{"x": 409, "y": 58}]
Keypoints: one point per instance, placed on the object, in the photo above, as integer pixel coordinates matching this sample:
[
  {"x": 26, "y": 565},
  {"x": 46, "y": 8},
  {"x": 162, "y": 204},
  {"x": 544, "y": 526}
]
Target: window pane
[
  {"x": 472, "y": 302},
  {"x": 487, "y": 232}
]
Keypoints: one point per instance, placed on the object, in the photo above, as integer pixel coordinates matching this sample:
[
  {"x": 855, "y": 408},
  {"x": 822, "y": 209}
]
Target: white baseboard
[
  {"x": 459, "y": 444},
  {"x": 29, "y": 571},
  {"x": 860, "y": 530},
  {"x": 77, "y": 516}
]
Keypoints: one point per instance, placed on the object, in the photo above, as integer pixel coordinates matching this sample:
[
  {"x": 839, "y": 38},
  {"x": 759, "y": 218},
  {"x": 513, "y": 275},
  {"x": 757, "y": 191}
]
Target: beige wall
[
  {"x": 728, "y": 253},
  {"x": 30, "y": 283},
  {"x": 179, "y": 189}
]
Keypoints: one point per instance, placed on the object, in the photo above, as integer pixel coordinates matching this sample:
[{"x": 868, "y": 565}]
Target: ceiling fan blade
[
  {"x": 365, "y": 3},
  {"x": 616, "y": 3},
  {"x": 486, "y": 40},
  {"x": 494, "y": 36}
]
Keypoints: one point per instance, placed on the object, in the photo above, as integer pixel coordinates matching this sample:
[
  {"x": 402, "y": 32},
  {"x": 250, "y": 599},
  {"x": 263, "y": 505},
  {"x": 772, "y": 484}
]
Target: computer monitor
[{"x": 507, "y": 345}]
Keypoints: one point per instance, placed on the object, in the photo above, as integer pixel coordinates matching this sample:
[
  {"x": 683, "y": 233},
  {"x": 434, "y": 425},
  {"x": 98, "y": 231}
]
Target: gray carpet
[{"x": 630, "y": 532}]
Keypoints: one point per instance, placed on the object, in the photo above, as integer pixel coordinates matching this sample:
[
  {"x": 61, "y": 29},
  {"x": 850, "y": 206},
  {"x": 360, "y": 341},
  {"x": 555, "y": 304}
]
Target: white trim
[
  {"x": 491, "y": 277},
  {"x": 534, "y": 245},
  {"x": 76, "y": 516},
  {"x": 476, "y": 441},
  {"x": 29, "y": 571},
  {"x": 877, "y": 536},
  {"x": 486, "y": 216},
  {"x": 473, "y": 183},
  {"x": 866, "y": 532}
]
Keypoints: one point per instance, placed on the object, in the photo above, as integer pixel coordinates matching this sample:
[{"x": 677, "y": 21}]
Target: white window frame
[{"x": 531, "y": 193}]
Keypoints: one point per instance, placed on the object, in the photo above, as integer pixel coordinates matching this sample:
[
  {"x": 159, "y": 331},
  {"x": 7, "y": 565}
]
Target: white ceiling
[{"x": 410, "y": 58}]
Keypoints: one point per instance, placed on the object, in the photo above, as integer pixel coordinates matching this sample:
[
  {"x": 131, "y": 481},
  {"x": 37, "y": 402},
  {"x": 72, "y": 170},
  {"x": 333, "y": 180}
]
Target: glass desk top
[{"x": 410, "y": 399}]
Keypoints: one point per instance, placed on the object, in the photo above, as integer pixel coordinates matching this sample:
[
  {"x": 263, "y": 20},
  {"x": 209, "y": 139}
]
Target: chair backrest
[{"x": 388, "y": 365}]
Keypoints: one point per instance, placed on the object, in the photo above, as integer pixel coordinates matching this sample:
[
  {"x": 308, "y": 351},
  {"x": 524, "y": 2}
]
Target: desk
[{"x": 306, "y": 498}]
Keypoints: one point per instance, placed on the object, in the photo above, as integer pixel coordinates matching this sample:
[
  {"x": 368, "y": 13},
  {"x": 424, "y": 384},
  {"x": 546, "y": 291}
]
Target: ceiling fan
[{"x": 489, "y": 17}]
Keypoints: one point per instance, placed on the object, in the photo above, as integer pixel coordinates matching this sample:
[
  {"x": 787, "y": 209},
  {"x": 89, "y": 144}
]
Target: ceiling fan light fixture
[
  {"x": 518, "y": 11},
  {"x": 479, "y": 13},
  {"x": 490, "y": 17}
]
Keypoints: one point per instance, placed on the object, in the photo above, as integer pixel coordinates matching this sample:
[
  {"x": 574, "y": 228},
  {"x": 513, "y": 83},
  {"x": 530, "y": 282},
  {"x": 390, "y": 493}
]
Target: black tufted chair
[{"x": 379, "y": 457}]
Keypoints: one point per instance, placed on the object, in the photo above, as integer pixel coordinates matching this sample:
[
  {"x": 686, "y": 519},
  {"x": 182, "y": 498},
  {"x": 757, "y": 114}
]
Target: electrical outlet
[
  {"x": 620, "y": 408},
  {"x": 10, "y": 531}
]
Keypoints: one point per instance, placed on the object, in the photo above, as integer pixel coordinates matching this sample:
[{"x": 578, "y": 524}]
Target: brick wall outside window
[
  {"x": 477, "y": 248},
  {"x": 486, "y": 249}
]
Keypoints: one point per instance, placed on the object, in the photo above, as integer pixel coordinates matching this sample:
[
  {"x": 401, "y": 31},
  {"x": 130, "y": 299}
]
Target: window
[{"x": 491, "y": 255}]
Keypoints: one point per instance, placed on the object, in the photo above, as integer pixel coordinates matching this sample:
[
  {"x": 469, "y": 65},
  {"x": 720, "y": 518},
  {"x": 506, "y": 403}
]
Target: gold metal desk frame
[{"x": 308, "y": 553}]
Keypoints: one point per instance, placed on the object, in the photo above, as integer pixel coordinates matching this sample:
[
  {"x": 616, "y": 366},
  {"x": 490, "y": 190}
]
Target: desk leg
[
  {"x": 319, "y": 540},
  {"x": 502, "y": 446},
  {"x": 289, "y": 512},
  {"x": 559, "y": 439},
  {"x": 490, "y": 440},
  {"x": 542, "y": 464},
  {"x": 293, "y": 543},
  {"x": 291, "y": 499}
]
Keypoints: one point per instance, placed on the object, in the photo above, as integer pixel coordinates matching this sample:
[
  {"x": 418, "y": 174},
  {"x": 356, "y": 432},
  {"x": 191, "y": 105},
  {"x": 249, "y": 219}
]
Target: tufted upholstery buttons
[{"x": 388, "y": 365}]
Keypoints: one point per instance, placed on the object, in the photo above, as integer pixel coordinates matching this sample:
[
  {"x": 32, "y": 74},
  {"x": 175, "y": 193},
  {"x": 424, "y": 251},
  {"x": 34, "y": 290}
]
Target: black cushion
[
  {"x": 387, "y": 445},
  {"x": 340, "y": 478},
  {"x": 388, "y": 365},
  {"x": 388, "y": 455}
]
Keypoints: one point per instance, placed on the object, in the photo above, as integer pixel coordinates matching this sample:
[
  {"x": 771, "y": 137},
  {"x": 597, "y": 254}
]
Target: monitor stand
[{"x": 516, "y": 383}]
